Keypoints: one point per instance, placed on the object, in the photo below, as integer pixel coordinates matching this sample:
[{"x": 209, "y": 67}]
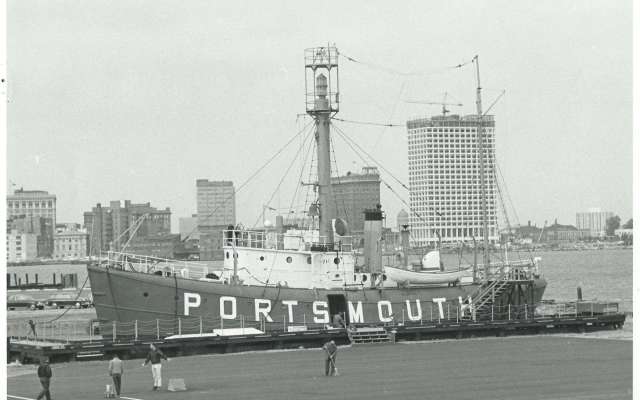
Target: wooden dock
[{"x": 27, "y": 351}]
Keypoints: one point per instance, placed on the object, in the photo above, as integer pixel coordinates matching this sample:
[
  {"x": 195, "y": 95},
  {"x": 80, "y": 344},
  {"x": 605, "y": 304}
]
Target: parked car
[
  {"x": 24, "y": 301},
  {"x": 68, "y": 300}
]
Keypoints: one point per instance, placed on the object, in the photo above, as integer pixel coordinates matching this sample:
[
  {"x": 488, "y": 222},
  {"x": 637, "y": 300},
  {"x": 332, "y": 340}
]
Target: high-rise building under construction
[{"x": 444, "y": 179}]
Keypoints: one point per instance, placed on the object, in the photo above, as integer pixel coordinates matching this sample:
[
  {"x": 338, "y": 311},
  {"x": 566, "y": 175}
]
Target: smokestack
[{"x": 372, "y": 239}]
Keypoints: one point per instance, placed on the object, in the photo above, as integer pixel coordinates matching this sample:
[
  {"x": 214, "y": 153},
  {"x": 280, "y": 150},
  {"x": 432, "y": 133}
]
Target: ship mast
[
  {"x": 483, "y": 188},
  {"x": 322, "y": 102}
]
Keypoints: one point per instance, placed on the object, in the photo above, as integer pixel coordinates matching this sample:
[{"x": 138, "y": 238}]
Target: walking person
[
  {"x": 330, "y": 362},
  {"x": 155, "y": 356},
  {"x": 44, "y": 374},
  {"x": 116, "y": 369},
  {"x": 32, "y": 328}
]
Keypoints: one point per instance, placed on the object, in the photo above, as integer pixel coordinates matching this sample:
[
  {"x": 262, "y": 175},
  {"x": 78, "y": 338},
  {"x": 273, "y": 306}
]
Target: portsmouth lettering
[{"x": 229, "y": 308}]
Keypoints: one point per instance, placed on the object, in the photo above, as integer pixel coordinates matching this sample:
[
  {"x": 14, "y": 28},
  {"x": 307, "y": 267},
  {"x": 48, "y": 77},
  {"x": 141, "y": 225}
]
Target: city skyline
[{"x": 150, "y": 108}]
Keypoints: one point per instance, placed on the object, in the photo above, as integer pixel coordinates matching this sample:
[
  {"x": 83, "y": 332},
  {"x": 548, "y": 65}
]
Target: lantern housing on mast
[{"x": 321, "y": 80}]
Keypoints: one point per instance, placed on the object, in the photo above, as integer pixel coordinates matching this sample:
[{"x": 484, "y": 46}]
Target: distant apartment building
[
  {"x": 216, "y": 203},
  {"x": 444, "y": 179},
  {"x": 110, "y": 228},
  {"x": 34, "y": 203},
  {"x": 99, "y": 227},
  {"x": 594, "y": 220},
  {"x": 70, "y": 242},
  {"x": 216, "y": 207},
  {"x": 21, "y": 246},
  {"x": 352, "y": 194}
]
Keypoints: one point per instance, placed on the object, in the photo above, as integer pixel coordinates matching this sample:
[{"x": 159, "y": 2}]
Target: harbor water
[{"x": 603, "y": 275}]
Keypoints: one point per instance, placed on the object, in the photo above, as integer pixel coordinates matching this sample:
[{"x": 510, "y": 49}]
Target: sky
[{"x": 137, "y": 99}]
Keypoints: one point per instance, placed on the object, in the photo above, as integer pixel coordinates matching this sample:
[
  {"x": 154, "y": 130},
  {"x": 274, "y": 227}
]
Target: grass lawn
[{"x": 540, "y": 367}]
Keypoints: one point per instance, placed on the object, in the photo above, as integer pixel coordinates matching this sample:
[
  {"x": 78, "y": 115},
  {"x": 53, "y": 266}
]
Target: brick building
[
  {"x": 109, "y": 228},
  {"x": 353, "y": 193}
]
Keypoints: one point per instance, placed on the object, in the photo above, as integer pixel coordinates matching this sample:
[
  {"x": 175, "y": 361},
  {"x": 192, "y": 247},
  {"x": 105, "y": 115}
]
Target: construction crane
[{"x": 443, "y": 103}]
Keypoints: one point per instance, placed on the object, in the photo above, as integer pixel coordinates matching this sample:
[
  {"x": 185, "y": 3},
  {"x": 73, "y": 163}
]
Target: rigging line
[
  {"x": 386, "y": 183},
  {"x": 311, "y": 187},
  {"x": 85, "y": 281},
  {"x": 403, "y": 73},
  {"x": 76, "y": 298},
  {"x": 393, "y": 111},
  {"x": 494, "y": 103},
  {"x": 129, "y": 228},
  {"x": 405, "y": 203},
  {"x": 343, "y": 135},
  {"x": 335, "y": 199},
  {"x": 506, "y": 190},
  {"x": 252, "y": 176},
  {"x": 389, "y": 125},
  {"x": 371, "y": 157},
  {"x": 503, "y": 206},
  {"x": 299, "y": 183},
  {"x": 283, "y": 177},
  {"x": 383, "y": 181},
  {"x": 133, "y": 233}
]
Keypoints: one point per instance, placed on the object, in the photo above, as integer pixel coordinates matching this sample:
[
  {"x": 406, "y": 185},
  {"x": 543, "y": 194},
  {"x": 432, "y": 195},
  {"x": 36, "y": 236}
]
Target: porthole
[
  {"x": 145, "y": 294},
  {"x": 261, "y": 258},
  {"x": 384, "y": 277},
  {"x": 289, "y": 259},
  {"x": 364, "y": 278},
  {"x": 336, "y": 260},
  {"x": 337, "y": 276}
]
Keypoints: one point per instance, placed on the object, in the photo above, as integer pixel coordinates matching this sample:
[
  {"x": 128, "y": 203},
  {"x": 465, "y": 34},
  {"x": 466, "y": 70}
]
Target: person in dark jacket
[
  {"x": 155, "y": 356},
  {"x": 330, "y": 362},
  {"x": 338, "y": 321},
  {"x": 32, "y": 328},
  {"x": 44, "y": 374}
]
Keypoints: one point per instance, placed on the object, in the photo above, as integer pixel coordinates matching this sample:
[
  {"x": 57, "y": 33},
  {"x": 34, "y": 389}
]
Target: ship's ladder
[{"x": 488, "y": 295}]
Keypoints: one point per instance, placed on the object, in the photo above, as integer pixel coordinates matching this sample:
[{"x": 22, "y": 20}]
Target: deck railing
[
  {"x": 300, "y": 240},
  {"x": 84, "y": 330},
  {"x": 518, "y": 270},
  {"x": 163, "y": 266}
]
